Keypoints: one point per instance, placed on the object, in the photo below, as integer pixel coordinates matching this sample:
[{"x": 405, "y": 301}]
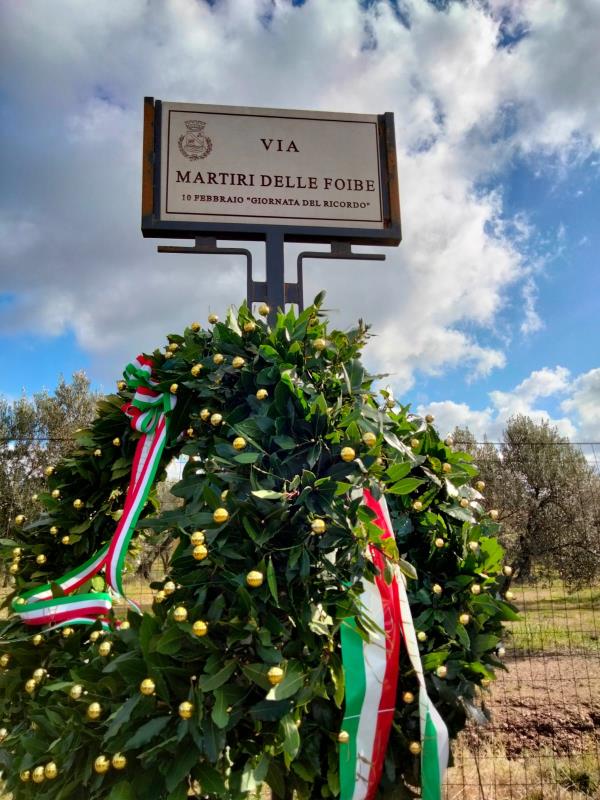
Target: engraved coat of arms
[{"x": 194, "y": 143}]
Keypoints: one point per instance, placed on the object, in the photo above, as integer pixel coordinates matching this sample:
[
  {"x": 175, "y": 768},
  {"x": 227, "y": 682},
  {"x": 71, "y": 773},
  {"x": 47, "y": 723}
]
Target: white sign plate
[{"x": 225, "y": 164}]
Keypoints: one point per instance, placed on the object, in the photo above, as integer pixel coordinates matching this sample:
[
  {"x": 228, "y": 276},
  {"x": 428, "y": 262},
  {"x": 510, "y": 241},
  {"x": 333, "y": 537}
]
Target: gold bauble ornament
[
  {"x": 464, "y": 503},
  {"x": 37, "y": 639},
  {"x": 16, "y": 551},
  {"x": 213, "y": 319},
  {"x": 159, "y": 596},
  {"x": 480, "y": 486},
  {"x": 216, "y": 419},
  {"x": 66, "y": 632},
  {"x": 262, "y": 394},
  {"x": 196, "y": 370},
  {"x": 48, "y": 471},
  {"x": 173, "y": 347},
  {"x": 319, "y": 345},
  {"x": 94, "y": 710},
  {"x": 494, "y": 514},
  {"x": 347, "y": 454},
  {"x": 249, "y": 327},
  {"x": 220, "y": 515},
  {"x": 97, "y": 452},
  {"x": 66, "y": 540},
  {"x": 439, "y": 542},
  {"x": 238, "y": 362},
  {"x": 50, "y": 770},
  {"x": 147, "y": 686},
  {"x": 190, "y": 432},
  {"x": 369, "y": 439},
  {"x": 101, "y": 765},
  {"x": 173, "y": 388},
  {"x": 474, "y": 546},
  {"x": 180, "y": 614},
  {"x": 415, "y": 748},
  {"x": 39, "y": 674},
  {"x": 4, "y": 659},
  {"x": 205, "y": 414},
  {"x": 76, "y": 691},
  {"x": 56, "y": 493},
  {"x": 19, "y": 519},
  {"x": 343, "y": 737},
  {"x": 77, "y": 504},
  {"x": 475, "y": 589},
  {"x": 263, "y": 310},
  {"x": 116, "y": 441},
  {"x": 254, "y": 578},
  {"x": 25, "y": 775},
  {"x": 408, "y": 697},
  {"x": 37, "y": 776},
  {"x": 414, "y": 443},
  {"x": 318, "y": 526},
  {"x": 186, "y": 709},
  {"x": 200, "y": 628},
  {"x": 124, "y": 626},
  {"x": 218, "y": 358},
  {"x": 447, "y": 467},
  {"x": 417, "y": 505},
  {"x": 94, "y": 636},
  {"x": 507, "y": 571},
  {"x": 197, "y": 537},
  {"x": 239, "y": 443},
  {"x": 436, "y": 589},
  {"x": 195, "y": 326},
  {"x": 105, "y": 648},
  {"x": 30, "y": 686},
  {"x": 464, "y": 619},
  {"x": 429, "y": 419},
  {"x": 169, "y": 588},
  {"x": 53, "y": 530},
  {"x": 275, "y": 675},
  {"x": 200, "y": 552},
  {"x": 501, "y": 652},
  {"x": 40, "y": 559},
  {"x": 509, "y": 595},
  {"x": 121, "y": 386},
  {"x": 119, "y": 761},
  {"x": 422, "y": 636},
  {"x": 14, "y": 568},
  {"x": 3, "y": 734}
]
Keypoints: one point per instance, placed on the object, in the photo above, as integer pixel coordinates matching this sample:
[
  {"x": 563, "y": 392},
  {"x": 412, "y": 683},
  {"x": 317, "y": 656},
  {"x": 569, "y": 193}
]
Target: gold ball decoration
[
  {"x": 40, "y": 559},
  {"x": 196, "y": 370},
  {"x": 195, "y": 326},
  {"x": 53, "y": 530},
  {"x": 473, "y": 546},
  {"x": 422, "y": 636},
  {"x": 37, "y": 776},
  {"x": 501, "y": 652},
  {"x": 464, "y": 619},
  {"x": 509, "y": 595},
  {"x": 39, "y": 674},
  {"x": 25, "y": 775},
  {"x": 16, "y": 551},
  {"x": 66, "y": 632},
  {"x": 4, "y": 659},
  {"x": 205, "y": 414},
  {"x": 447, "y": 467},
  {"x": 417, "y": 505},
  {"x": 348, "y": 454},
  {"x": 200, "y": 552},
  {"x": 408, "y": 698},
  {"x": 213, "y": 319},
  {"x": 429, "y": 419},
  {"x": 48, "y": 471},
  {"x": 147, "y": 686},
  {"x": 50, "y": 770},
  {"x": 507, "y": 571},
  {"x": 343, "y": 737},
  {"x": 30, "y": 686},
  {"x": 19, "y": 519},
  {"x": 94, "y": 636},
  {"x": 414, "y": 443},
  {"x": 475, "y": 589},
  {"x": 200, "y": 628},
  {"x": 239, "y": 443},
  {"x": 101, "y": 765},
  {"x": 494, "y": 514},
  {"x": 186, "y": 709},
  {"x": 437, "y": 589},
  {"x": 160, "y": 596},
  {"x": 66, "y": 540},
  {"x": 369, "y": 439},
  {"x": 37, "y": 639},
  {"x": 116, "y": 441},
  {"x": 119, "y": 761},
  {"x": 254, "y": 578},
  {"x": 464, "y": 503},
  {"x": 105, "y": 648},
  {"x": 218, "y": 358},
  {"x": 3, "y": 734},
  {"x": 180, "y": 614},
  {"x": 94, "y": 711},
  {"x": 263, "y": 310},
  {"x": 318, "y": 526},
  {"x": 238, "y": 362},
  {"x": 124, "y": 626},
  {"x": 319, "y": 345},
  {"x": 121, "y": 386},
  {"x": 262, "y": 394},
  {"x": 14, "y": 568},
  {"x": 76, "y": 691},
  {"x": 190, "y": 432},
  {"x": 275, "y": 675},
  {"x": 220, "y": 515},
  {"x": 415, "y": 748},
  {"x": 216, "y": 419},
  {"x": 97, "y": 452},
  {"x": 173, "y": 347},
  {"x": 77, "y": 504},
  {"x": 197, "y": 537},
  {"x": 173, "y": 388},
  {"x": 249, "y": 327},
  {"x": 169, "y": 588},
  {"x": 480, "y": 486},
  {"x": 56, "y": 493},
  {"x": 439, "y": 542}
]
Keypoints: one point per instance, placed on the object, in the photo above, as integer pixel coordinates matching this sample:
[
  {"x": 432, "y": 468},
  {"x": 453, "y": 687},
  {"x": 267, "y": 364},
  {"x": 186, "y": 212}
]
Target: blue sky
[{"x": 488, "y": 308}]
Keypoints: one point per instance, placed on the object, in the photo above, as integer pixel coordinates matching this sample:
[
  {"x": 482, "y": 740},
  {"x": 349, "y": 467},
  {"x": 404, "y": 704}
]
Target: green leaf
[
  {"x": 219, "y": 714},
  {"x": 398, "y": 471},
  {"x": 208, "y": 683},
  {"x": 122, "y": 791},
  {"x": 247, "y": 458},
  {"x": 267, "y": 494},
  {"x": 122, "y": 716},
  {"x": 210, "y": 780},
  {"x": 270, "y": 710},
  {"x": 405, "y": 486},
  {"x": 148, "y": 731},
  {"x": 272, "y": 581},
  {"x": 291, "y": 738},
  {"x": 181, "y": 766}
]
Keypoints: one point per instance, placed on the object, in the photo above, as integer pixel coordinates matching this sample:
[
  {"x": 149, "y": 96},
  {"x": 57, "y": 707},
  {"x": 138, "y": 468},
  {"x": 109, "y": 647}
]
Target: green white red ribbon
[
  {"x": 148, "y": 411},
  {"x": 371, "y": 671}
]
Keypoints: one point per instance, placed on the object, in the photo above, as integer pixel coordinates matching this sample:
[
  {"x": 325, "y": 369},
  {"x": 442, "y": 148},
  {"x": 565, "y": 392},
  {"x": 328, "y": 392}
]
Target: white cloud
[{"x": 73, "y": 83}]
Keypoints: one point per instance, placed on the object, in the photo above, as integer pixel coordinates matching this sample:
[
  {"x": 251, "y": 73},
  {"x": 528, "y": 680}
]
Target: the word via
[{"x": 280, "y": 146}]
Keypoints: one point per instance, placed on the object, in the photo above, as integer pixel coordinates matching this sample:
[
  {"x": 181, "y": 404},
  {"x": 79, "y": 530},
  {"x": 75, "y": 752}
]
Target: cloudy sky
[{"x": 489, "y": 306}]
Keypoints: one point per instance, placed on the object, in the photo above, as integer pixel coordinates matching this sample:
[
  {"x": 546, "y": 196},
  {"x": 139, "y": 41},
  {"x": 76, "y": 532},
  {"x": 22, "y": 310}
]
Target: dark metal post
[{"x": 274, "y": 247}]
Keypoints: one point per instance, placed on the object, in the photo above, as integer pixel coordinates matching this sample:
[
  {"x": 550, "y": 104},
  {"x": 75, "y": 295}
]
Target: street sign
[{"x": 246, "y": 173}]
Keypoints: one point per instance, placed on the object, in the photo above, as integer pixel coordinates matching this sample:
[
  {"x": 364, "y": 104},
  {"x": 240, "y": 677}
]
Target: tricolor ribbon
[
  {"x": 371, "y": 677},
  {"x": 148, "y": 412}
]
